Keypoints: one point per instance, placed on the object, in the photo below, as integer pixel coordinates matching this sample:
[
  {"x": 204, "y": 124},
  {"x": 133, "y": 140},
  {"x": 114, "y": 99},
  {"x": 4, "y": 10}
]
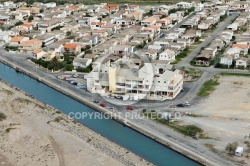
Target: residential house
[
  {"x": 137, "y": 15},
  {"x": 167, "y": 55},
  {"x": 149, "y": 21},
  {"x": 46, "y": 39},
  {"x": 30, "y": 45},
  {"x": 57, "y": 47},
  {"x": 47, "y": 26},
  {"x": 50, "y": 5},
  {"x": 242, "y": 47},
  {"x": 184, "y": 5},
  {"x": 26, "y": 27},
  {"x": 226, "y": 60},
  {"x": 203, "y": 59},
  {"x": 16, "y": 40},
  {"x": 4, "y": 37},
  {"x": 123, "y": 50},
  {"x": 151, "y": 53},
  {"x": 82, "y": 62},
  {"x": 72, "y": 48},
  {"x": 164, "y": 22},
  {"x": 242, "y": 62},
  {"x": 113, "y": 7}
]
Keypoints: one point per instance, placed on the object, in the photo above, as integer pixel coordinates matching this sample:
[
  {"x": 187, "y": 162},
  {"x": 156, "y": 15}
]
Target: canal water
[{"x": 114, "y": 131}]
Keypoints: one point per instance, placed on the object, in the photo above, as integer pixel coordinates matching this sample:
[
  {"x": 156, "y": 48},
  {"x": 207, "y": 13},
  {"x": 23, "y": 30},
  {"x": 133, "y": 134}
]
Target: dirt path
[{"x": 57, "y": 150}]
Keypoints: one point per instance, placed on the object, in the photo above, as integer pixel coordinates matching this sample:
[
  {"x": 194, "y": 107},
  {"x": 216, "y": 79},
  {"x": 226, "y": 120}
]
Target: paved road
[{"x": 186, "y": 61}]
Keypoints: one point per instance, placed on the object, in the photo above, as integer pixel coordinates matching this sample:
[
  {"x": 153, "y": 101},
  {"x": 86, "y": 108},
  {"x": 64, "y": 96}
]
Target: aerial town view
[{"x": 135, "y": 83}]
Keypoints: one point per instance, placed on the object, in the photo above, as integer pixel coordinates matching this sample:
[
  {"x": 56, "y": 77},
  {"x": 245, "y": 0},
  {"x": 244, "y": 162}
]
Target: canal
[{"x": 141, "y": 145}]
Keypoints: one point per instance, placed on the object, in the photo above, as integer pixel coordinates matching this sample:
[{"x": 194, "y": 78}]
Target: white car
[
  {"x": 186, "y": 103},
  {"x": 75, "y": 75}
]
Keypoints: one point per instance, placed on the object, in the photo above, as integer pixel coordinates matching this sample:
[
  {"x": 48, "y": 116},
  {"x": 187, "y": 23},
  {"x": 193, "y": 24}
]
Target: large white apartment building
[{"x": 136, "y": 81}]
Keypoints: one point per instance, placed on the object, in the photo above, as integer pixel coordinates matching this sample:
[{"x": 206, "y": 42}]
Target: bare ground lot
[
  {"x": 225, "y": 114},
  {"x": 36, "y": 134}
]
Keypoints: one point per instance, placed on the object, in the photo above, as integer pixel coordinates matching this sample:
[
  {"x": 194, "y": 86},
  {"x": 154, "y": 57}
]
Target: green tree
[
  {"x": 18, "y": 23},
  {"x": 68, "y": 33},
  {"x": 30, "y": 18}
]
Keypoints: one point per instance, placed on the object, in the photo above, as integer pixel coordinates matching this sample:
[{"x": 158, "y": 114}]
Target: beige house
[
  {"x": 16, "y": 40},
  {"x": 30, "y": 45}
]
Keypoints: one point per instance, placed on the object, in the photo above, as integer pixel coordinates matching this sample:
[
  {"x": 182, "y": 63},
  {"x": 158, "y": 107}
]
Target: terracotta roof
[
  {"x": 97, "y": 23},
  {"x": 113, "y": 5},
  {"x": 149, "y": 19},
  {"x": 27, "y": 25},
  {"x": 135, "y": 13},
  {"x": 98, "y": 31},
  {"x": 73, "y": 7},
  {"x": 36, "y": 51},
  {"x": 30, "y": 42},
  {"x": 69, "y": 45},
  {"x": 133, "y": 5},
  {"x": 243, "y": 46},
  {"x": 16, "y": 39}
]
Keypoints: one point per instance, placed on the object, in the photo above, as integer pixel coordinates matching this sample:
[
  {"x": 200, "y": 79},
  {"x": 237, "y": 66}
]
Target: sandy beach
[{"x": 37, "y": 134}]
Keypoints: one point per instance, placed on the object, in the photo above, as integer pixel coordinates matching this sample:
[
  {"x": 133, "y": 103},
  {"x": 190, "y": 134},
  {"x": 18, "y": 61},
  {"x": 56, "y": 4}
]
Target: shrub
[{"x": 2, "y": 116}]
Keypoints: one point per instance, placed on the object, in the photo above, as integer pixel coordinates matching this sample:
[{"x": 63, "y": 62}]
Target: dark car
[
  {"x": 96, "y": 101},
  {"x": 118, "y": 97},
  {"x": 180, "y": 105}
]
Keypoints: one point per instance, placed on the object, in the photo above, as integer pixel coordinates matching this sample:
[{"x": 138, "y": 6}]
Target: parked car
[
  {"x": 186, "y": 103},
  {"x": 162, "y": 35},
  {"x": 96, "y": 101},
  {"x": 182, "y": 90},
  {"x": 68, "y": 78},
  {"x": 72, "y": 82},
  {"x": 130, "y": 108},
  {"x": 118, "y": 97},
  {"x": 75, "y": 75},
  {"x": 180, "y": 105},
  {"x": 111, "y": 96},
  {"x": 103, "y": 105}
]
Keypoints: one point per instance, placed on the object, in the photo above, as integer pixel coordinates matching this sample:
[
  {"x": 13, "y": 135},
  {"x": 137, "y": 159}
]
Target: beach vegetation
[
  {"x": 2, "y": 116},
  {"x": 231, "y": 147}
]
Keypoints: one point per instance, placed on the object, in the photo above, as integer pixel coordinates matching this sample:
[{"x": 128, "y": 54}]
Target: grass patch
[
  {"x": 211, "y": 147},
  {"x": 58, "y": 119},
  {"x": 7, "y": 91},
  {"x": 235, "y": 74},
  {"x": 208, "y": 87},
  {"x": 187, "y": 130}
]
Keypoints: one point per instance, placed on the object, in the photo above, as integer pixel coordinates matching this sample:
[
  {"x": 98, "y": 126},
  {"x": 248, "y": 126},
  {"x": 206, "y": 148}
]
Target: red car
[
  {"x": 130, "y": 108},
  {"x": 103, "y": 105}
]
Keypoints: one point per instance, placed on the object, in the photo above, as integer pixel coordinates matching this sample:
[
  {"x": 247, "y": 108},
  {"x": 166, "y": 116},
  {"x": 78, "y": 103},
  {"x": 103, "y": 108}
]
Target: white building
[
  {"x": 151, "y": 81},
  {"x": 82, "y": 62},
  {"x": 167, "y": 55},
  {"x": 50, "y": 5},
  {"x": 184, "y": 5}
]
